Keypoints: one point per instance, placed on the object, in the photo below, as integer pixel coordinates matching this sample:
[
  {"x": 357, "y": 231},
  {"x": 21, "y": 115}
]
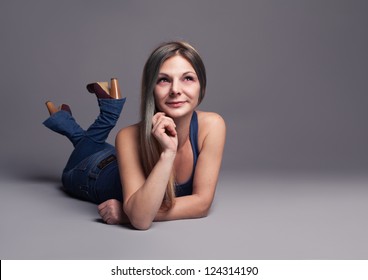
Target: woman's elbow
[
  {"x": 203, "y": 211},
  {"x": 137, "y": 221},
  {"x": 201, "y": 206},
  {"x": 141, "y": 224}
]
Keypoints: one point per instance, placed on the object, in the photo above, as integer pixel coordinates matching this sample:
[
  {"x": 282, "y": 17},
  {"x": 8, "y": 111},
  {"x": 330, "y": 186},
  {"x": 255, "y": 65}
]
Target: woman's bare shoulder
[
  {"x": 210, "y": 120},
  {"x": 210, "y": 123},
  {"x": 128, "y": 134}
]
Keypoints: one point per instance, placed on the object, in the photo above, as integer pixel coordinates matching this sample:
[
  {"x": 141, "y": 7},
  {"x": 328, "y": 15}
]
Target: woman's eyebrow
[
  {"x": 189, "y": 72},
  {"x": 163, "y": 74},
  {"x": 185, "y": 73}
]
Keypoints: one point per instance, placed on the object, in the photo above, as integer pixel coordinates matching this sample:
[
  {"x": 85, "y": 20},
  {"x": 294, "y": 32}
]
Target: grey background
[{"x": 289, "y": 78}]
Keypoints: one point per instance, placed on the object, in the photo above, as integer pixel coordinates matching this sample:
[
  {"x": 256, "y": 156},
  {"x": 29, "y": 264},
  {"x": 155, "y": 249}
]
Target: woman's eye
[
  {"x": 162, "y": 80},
  {"x": 188, "y": 78}
]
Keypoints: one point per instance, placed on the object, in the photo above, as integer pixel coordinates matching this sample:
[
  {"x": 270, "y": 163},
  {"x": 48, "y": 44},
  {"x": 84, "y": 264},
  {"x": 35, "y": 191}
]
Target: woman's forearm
[
  {"x": 185, "y": 207},
  {"x": 143, "y": 205}
]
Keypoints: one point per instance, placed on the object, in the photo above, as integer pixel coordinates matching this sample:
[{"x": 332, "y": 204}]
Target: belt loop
[{"x": 106, "y": 161}]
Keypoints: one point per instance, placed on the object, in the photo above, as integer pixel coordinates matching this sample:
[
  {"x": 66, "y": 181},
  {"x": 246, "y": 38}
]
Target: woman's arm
[
  {"x": 192, "y": 206},
  {"x": 143, "y": 196},
  {"x": 207, "y": 171}
]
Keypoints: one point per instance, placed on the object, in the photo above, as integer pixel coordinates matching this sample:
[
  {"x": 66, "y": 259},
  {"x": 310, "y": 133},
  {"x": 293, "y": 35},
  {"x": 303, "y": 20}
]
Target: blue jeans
[{"x": 91, "y": 172}]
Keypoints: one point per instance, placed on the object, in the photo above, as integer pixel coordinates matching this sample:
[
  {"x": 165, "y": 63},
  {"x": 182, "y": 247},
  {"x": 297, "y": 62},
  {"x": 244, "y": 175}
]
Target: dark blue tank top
[{"x": 187, "y": 187}]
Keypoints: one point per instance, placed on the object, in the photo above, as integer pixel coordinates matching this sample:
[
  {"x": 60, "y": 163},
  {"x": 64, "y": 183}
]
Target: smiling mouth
[{"x": 175, "y": 104}]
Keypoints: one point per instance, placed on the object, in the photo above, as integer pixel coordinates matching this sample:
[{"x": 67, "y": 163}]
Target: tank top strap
[
  {"x": 187, "y": 187},
  {"x": 194, "y": 136}
]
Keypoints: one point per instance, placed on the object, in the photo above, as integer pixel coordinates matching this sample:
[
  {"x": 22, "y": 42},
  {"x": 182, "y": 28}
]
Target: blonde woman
[{"x": 168, "y": 163}]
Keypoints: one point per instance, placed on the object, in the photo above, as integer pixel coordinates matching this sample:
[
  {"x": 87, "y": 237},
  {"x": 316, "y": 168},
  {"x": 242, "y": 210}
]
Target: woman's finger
[
  {"x": 164, "y": 126},
  {"x": 156, "y": 117},
  {"x": 101, "y": 206},
  {"x": 163, "y": 122}
]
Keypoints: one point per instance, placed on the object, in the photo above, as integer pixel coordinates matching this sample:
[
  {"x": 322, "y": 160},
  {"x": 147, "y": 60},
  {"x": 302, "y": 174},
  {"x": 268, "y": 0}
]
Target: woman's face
[{"x": 177, "y": 87}]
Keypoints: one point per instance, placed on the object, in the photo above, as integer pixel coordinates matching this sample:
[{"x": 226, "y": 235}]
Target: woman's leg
[
  {"x": 110, "y": 104},
  {"x": 84, "y": 165},
  {"x": 63, "y": 123},
  {"x": 110, "y": 110},
  {"x": 92, "y": 172},
  {"x": 94, "y": 139}
]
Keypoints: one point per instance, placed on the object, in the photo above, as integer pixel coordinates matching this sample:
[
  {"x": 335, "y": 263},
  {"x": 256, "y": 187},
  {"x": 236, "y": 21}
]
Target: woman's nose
[{"x": 175, "y": 88}]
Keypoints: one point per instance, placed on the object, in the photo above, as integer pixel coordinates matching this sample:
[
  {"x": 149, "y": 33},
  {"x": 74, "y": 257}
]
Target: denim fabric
[
  {"x": 89, "y": 182},
  {"x": 83, "y": 177}
]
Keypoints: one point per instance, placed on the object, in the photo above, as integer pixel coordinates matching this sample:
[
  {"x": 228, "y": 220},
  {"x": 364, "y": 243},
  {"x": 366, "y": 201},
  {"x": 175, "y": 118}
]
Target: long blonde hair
[{"x": 150, "y": 148}]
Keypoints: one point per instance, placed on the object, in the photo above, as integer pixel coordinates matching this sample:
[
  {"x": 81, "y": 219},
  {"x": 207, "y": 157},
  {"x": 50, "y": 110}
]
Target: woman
[{"x": 168, "y": 163}]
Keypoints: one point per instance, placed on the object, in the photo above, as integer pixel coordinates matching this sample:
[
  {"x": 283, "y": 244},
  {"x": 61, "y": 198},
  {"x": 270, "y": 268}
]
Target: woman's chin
[{"x": 176, "y": 113}]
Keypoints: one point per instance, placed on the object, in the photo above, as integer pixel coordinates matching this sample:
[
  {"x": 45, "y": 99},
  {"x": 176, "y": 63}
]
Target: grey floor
[
  {"x": 253, "y": 217},
  {"x": 290, "y": 80}
]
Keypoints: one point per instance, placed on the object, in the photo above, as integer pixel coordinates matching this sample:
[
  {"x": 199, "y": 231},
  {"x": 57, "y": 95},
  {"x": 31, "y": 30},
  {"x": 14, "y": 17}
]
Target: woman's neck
[{"x": 182, "y": 129}]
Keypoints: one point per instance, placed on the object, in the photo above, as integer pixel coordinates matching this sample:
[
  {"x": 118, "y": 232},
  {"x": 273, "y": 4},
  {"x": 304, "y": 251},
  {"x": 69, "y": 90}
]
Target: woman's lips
[{"x": 175, "y": 104}]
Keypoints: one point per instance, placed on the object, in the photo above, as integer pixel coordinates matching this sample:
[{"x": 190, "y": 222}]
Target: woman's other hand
[
  {"x": 112, "y": 213},
  {"x": 164, "y": 130}
]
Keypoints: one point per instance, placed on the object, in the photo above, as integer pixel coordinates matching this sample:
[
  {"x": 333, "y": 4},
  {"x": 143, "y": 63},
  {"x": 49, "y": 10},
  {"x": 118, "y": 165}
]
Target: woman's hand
[
  {"x": 163, "y": 129},
  {"x": 111, "y": 211}
]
